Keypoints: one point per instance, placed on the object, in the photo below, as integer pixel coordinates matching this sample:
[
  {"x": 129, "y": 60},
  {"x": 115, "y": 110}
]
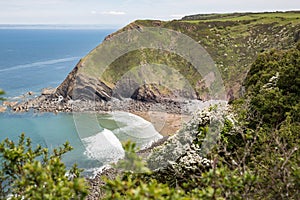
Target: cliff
[{"x": 232, "y": 40}]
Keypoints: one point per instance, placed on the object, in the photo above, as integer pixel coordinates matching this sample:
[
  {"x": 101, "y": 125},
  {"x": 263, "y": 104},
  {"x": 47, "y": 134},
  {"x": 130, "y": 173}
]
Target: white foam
[
  {"x": 136, "y": 127},
  {"x": 39, "y": 64},
  {"x": 104, "y": 146}
]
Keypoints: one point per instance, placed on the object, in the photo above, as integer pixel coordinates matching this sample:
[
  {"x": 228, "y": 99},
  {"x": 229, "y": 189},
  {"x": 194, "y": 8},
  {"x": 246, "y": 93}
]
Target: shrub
[{"x": 31, "y": 173}]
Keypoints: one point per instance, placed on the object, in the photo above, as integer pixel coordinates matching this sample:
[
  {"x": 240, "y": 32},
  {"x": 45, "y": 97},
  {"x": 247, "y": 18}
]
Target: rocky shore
[{"x": 48, "y": 101}]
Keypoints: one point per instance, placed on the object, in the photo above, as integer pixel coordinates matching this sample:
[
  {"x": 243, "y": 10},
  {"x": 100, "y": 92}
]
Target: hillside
[{"x": 232, "y": 40}]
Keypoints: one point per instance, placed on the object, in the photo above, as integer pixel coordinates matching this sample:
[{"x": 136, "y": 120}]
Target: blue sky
[{"x": 121, "y": 12}]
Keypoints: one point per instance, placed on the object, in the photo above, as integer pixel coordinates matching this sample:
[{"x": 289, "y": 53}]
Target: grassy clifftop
[{"x": 232, "y": 40}]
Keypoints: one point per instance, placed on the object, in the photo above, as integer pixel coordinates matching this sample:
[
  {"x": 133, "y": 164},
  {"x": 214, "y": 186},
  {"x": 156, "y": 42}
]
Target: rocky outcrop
[
  {"x": 47, "y": 91},
  {"x": 151, "y": 93},
  {"x": 78, "y": 86},
  {"x": 65, "y": 89}
]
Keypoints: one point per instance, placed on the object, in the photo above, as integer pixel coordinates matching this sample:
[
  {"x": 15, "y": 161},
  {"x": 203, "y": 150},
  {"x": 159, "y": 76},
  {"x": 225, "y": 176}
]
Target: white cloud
[
  {"x": 124, "y": 11},
  {"x": 113, "y": 13}
]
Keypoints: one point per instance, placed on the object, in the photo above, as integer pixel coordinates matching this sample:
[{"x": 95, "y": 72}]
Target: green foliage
[
  {"x": 223, "y": 183},
  {"x": 1, "y": 93},
  {"x": 132, "y": 184},
  {"x": 278, "y": 161},
  {"x": 132, "y": 162},
  {"x": 270, "y": 125},
  {"x": 273, "y": 87},
  {"x": 31, "y": 173},
  {"x": 258, "y": 154},
  {"x": 220, "y": 182},
  {"x": 178, "y": 68},
  {"x": 133, "y": 188},
  {"x": 232, "y": 40}
]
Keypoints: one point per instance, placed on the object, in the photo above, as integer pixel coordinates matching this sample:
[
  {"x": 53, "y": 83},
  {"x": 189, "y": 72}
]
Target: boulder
[
  {"x": 48, "y": 91},
  {"x": 10, "y": 103},
  {"x": 151, "y": 93},
  {"x": 2, "y": 109}
]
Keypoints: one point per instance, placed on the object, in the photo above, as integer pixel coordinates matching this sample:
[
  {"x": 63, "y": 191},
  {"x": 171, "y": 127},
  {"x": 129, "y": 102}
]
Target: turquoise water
[
  {"x": 96, "y": 138},
  {"x": 34, "y": 59}
]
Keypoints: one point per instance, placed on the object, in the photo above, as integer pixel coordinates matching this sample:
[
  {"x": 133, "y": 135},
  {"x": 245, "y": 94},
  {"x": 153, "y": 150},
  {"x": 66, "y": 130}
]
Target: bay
[{"x": 32, "y": 59}]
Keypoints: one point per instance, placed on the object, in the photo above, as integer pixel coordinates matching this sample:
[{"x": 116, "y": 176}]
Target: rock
[
  {"x": 10, "y": 103},
  {"x": 2, "y": 109},
  {"x": 48, "y": 91},
  {"x": 96, "y": 184},
  {"x": 151, "y": 93},
  {"x": 78, "y": 86},
  {"x": 30, "y": 93}
]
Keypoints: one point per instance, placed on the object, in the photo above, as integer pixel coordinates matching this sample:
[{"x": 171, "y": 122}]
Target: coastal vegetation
[
  {"x": 257, "y": 156},
  {"x": 29, "y": 172},
  {"x": 257, "y": 152},
  {"x": 232, "y": 40}
]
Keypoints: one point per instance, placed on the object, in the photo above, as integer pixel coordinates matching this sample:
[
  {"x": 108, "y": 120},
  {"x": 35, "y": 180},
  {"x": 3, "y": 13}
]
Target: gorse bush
[{"x": 32, "y": 173}]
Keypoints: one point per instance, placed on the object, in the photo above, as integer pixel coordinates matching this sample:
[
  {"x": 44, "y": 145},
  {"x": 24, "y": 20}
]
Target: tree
[{"x": 31, "y": 173}]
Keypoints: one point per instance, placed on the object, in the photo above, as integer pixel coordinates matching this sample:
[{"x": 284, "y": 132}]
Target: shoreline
[
  {"x": 167, "y": 117},
  {"x": 165, "y": 123}
]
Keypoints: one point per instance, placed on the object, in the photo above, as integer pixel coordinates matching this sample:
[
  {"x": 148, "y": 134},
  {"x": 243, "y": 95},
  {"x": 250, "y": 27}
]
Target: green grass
[
  {"x": 245, "y": 16},
  {"x": 232, "y": 40}
]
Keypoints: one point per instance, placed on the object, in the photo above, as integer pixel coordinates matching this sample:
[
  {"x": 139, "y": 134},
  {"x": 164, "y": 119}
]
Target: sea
[{"x": 33, "y": 58}]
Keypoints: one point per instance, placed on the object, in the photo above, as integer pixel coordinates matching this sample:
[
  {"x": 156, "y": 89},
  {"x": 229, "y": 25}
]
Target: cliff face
[
  {"x": 232, "y": 40},
  {"x": 78, "y": 86}
]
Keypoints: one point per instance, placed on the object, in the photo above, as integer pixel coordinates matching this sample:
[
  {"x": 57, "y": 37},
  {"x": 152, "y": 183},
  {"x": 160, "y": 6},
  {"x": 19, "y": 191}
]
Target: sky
[{"x": 122, "y": 12}]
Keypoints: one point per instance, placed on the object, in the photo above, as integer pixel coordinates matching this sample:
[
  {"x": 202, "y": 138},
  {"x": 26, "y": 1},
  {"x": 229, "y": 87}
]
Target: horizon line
[{"x": 59, "y": 26}]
